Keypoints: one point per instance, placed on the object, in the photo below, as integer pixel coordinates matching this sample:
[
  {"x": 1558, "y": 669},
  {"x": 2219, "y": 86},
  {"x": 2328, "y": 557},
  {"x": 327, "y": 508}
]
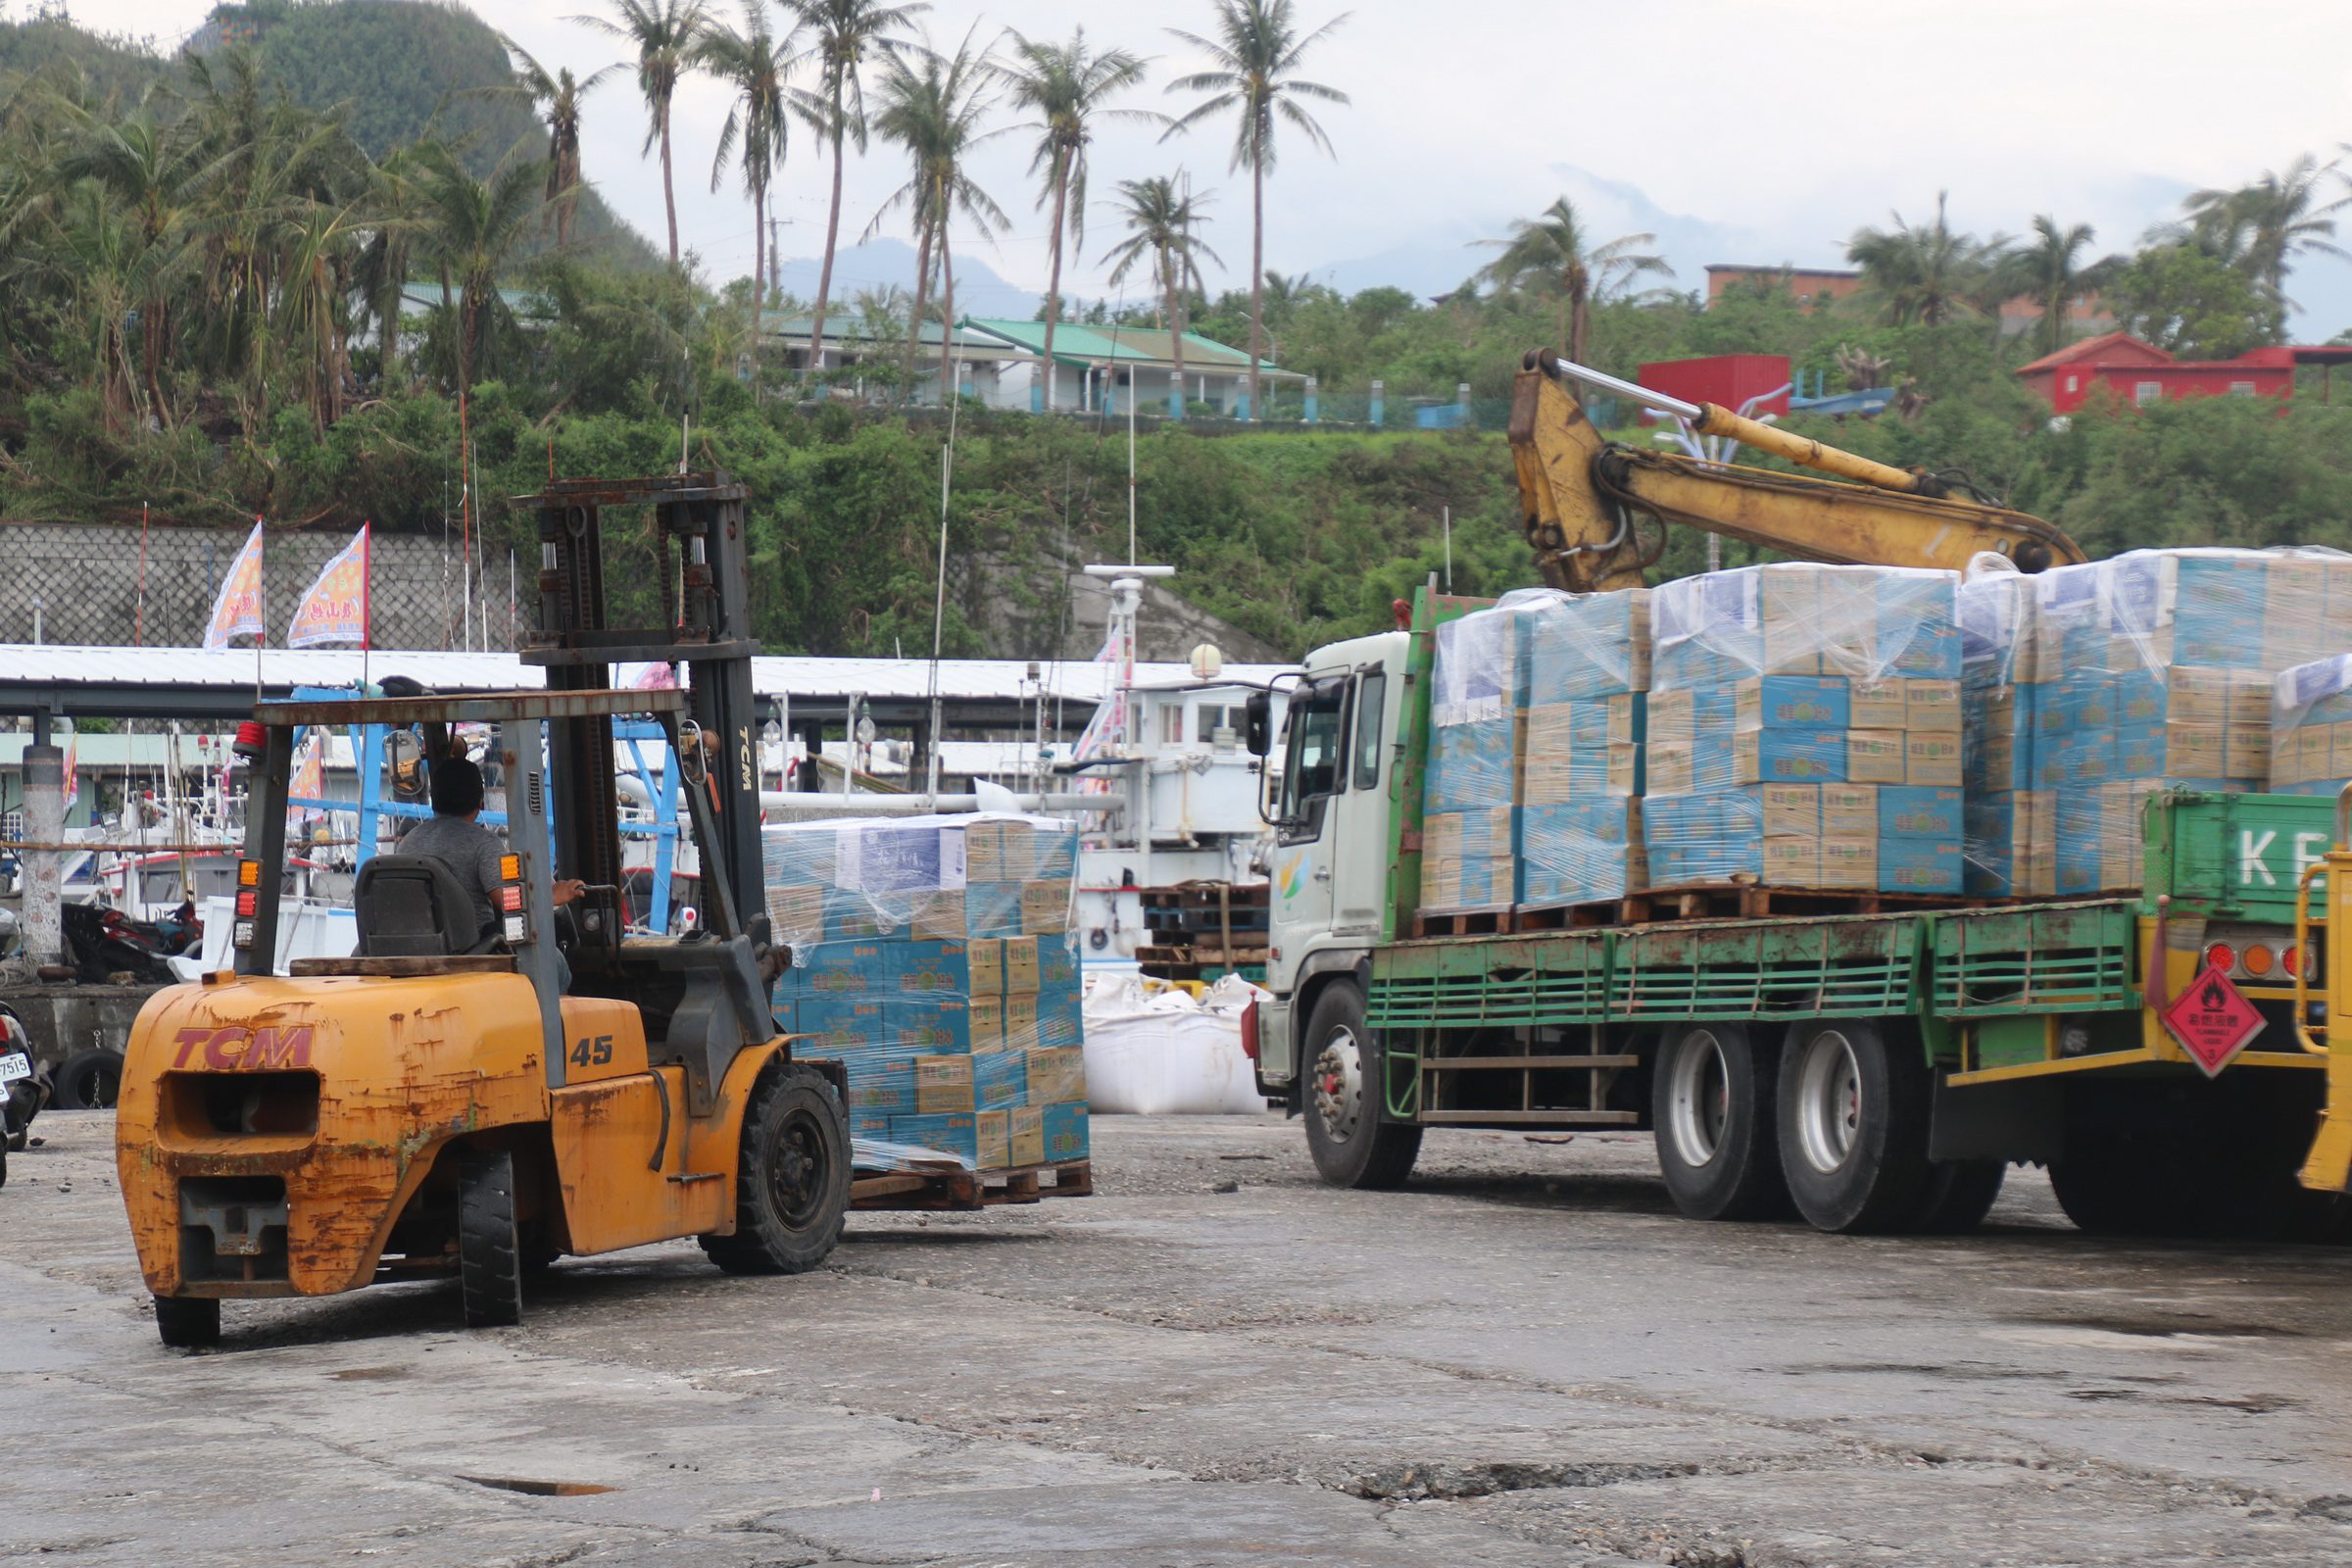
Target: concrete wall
[{"x": 83, "y": 581}]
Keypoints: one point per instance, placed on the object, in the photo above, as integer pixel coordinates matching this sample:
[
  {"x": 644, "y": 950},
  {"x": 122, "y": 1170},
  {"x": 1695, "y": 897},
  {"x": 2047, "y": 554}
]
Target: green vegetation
[{"x": 206, "y": 261}]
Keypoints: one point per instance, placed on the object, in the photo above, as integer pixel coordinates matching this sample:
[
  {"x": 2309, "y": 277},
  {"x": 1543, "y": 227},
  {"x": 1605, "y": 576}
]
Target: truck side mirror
[{"x": 1258, "y": 723}]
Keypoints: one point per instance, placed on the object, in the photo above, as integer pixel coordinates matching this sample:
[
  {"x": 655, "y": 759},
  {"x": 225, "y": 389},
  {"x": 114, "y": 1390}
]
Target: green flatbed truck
[{"x": 1877, "y": 1070}]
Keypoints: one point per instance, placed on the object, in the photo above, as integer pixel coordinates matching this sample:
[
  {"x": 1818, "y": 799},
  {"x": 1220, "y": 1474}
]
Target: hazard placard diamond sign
[{"x": 2212, "y": 1021}]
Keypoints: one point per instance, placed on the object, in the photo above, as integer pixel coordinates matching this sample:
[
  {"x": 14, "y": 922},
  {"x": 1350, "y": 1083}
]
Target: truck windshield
[{"x": 1312, "y": 771}]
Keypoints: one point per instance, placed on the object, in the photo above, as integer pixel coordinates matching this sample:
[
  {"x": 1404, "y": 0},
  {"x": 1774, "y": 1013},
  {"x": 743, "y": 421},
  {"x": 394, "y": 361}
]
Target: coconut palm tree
[
  {"x": 1065, "y": 85},
  {"x": 556, "y": 98},
  {"x": 149, "y": 164},
  {"x": 1253, "y": 64},
  {"x": 1556, "y": 250},
  {"x": 1926, "y": 273},
  {"x": 473, "y": 229},
  {"x": 1160, "y": 221},
  {"x": 845, "y": 37},
  {"x": 933, "y": 108},
  {"x": 664, "y": 32},
  {"x": 2264, "y": 226},
  {"x": 752, "y": 63},
  {"x": 2047, "y": 267}
]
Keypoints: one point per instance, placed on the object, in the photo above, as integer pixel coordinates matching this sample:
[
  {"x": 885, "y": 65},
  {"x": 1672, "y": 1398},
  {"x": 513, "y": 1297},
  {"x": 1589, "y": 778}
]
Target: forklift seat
[{"x": 412, "y": 906}]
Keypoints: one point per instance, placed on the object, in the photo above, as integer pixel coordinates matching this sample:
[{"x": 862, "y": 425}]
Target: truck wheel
[
  {"x": 1853, "y": 1115},
  {"x": 89, "y": 1080},
  {"x": 489, "y": 1249},
  {"x": 188, "y": 1322},
  {"x": 1350, "y": 1144},
  {"x": 1957, "y": 1196},
  {"x": 1718, "y": 1147},
  {"x": 792, "y": 1188}
]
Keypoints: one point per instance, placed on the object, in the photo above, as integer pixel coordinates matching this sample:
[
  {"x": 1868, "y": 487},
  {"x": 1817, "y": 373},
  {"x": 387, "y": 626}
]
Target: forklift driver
[{"x": 471, "y": 851}]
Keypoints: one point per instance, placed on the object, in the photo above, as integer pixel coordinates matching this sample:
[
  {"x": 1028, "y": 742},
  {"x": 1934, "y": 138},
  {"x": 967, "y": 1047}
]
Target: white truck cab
[{"x": 1333, "y": 837}]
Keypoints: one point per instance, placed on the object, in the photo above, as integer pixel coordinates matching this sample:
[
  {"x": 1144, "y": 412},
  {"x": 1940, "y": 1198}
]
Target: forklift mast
[{"x": 699, "y": 522}]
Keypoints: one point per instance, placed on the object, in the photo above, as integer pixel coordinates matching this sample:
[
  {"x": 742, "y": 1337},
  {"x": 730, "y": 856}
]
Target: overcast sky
[{"x": 1740, "y": 131}]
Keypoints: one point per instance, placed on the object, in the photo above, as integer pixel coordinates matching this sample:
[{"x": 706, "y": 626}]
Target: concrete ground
[{"x": 1523, "y": 1358}]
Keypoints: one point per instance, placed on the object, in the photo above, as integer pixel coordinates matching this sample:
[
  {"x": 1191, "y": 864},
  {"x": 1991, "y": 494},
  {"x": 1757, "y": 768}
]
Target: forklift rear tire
[
  {"x": 1854, "y": 1113},
  {"x": 1718, "y": 1140},
  {"x": 489, "y": 1247},
  {"x": 1351, "y": 1146},
  {"x": 188, "y": 1322},
  {"x": 792, "y": 1188}
]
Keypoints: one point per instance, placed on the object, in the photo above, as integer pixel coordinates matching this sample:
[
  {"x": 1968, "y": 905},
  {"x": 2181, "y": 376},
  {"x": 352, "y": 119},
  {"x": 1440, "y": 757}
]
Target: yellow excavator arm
[{"x": 1582, "y": 493}]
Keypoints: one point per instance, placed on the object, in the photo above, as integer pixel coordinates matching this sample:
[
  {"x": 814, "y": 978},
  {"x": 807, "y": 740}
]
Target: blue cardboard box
[
  {"x": 843, "y": 968},
  {"x": 993, "y": 909},
  {"x": 1789, "y": 757},
  {"x": 919, "y": 968},
  {"x": 999, "y": 1079},
  {"x": 956, "y": 1133},
  {"x": 929, "y": 1026},
  {"x": 1065, "y": 1132},
  {"x": 1917, "y": 811},
  {"x": 1060, "y": 1020},
  {"x": 882, "y": 1087},
  {"x": 1922, "y": 865},
  {"x": 844, "y": 1026},
  {"x": 1794, "y": 702}
]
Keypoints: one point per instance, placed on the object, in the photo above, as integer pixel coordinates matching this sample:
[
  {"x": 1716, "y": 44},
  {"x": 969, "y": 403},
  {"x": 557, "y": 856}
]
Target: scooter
[{"x": 22, "y": 1090}]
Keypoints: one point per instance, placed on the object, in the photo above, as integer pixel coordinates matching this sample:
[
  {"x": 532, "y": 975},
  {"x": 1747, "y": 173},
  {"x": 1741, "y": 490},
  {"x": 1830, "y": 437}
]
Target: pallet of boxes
[
  {"x": 933, "y": 957},
  {"x": 1785, "y": 736},
  {"x": 2089, "y": 688}
]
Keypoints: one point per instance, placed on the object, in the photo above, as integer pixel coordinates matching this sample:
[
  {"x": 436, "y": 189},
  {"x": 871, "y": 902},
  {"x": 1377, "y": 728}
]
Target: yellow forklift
[{"x": 441, "y": 1103}]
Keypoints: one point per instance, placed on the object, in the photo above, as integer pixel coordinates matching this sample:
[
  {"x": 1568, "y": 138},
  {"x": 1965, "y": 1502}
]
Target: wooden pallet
[
  {"x": 1712, "y": 901},
  {"x": 1495, "y": 921},
  {"x": 950, "y": 1187},
  {"x": 1749, "y": 901}
]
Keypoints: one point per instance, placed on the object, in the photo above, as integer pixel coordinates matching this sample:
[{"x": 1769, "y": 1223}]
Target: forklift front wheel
[
  {"x": 489, "y": 1243},
  {"x": 793, "y": 1184},
  {"x": 188, "y": 1322}
]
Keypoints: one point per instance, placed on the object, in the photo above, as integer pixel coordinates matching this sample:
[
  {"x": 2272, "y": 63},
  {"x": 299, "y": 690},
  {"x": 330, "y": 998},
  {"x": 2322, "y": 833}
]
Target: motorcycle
[{"x": 22, "y": 1090}]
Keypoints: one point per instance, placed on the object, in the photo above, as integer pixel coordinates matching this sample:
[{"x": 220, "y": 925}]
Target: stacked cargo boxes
[
  {"x": 1804, "y": 730},
  {"x": 2310, "y": 728},
  {"x": 1467, "y": 852},
  {"x": 2150, "y": 672},
  {"x": 932, "y": 957},
  {"x": 1582, "y": 683}
]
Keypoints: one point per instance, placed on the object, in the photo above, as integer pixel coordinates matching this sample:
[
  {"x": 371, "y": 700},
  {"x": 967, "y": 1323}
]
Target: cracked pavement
[{"x": 1525, "y": 1357}]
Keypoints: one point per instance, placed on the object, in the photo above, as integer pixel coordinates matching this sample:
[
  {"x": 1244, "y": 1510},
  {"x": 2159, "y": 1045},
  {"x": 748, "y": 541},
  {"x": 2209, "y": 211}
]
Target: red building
[
  {"x": 2141, "y": 372},
  {"x": 1729, "y": 379}
]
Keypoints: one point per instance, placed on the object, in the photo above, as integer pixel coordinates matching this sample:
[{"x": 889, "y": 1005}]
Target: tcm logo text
[{"x": 236, "y": 1046}]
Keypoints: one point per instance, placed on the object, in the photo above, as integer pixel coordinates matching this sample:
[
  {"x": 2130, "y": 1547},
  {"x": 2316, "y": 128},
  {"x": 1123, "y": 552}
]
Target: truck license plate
[{"x": 15, "y": 1065}]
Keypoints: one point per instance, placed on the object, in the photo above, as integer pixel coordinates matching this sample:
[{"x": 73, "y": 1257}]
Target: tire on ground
[
  {"x": 792, "y": 1187},
  {"x": 89, "y": 1080},
  {"x": 1853, "y": 1117},
  {"x": 489, "y": 1243},
  {"x": 1957, "y": 1194},
  {"x": 1350, "y": 1144},
  {"x": 1711, "y": 1102},
  {"x": 188, "y": 1322}
]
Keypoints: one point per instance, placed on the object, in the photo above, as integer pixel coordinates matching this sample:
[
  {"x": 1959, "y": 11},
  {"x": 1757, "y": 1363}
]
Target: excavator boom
[{"x": 1581, "y": 493}]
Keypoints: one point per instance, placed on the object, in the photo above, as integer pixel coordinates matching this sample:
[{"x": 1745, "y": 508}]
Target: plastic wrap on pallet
[
  {"x": 1574, "y": 647},
  {"x": 1471, "y": 779},
  {"x": 936, "y": 1028},
  {"x": 1797, "y": 618},
  {"x": 1806, "y": 728},
  {"x": 1580, "y": 851},
  {"x": 2310, "y": 728}
]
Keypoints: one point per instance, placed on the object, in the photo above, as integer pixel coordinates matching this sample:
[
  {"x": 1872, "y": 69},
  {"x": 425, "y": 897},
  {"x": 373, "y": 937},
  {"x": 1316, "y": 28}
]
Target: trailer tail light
[
  {"x": 2291, "y": 960},
  {"x": 248, "y": 901},
  {"x": 2221, "y": 955},
  {"x": 2258, "y": 960},
  {"x": 1249, "y": 1030}
]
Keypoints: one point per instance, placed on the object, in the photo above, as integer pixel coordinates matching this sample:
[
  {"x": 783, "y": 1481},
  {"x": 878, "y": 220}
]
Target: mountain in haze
[{"x": 880, "y": 262}]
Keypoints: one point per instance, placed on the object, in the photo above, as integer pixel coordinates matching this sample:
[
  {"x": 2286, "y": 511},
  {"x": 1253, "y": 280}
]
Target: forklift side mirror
[{"x": 1258, "y": 723}]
